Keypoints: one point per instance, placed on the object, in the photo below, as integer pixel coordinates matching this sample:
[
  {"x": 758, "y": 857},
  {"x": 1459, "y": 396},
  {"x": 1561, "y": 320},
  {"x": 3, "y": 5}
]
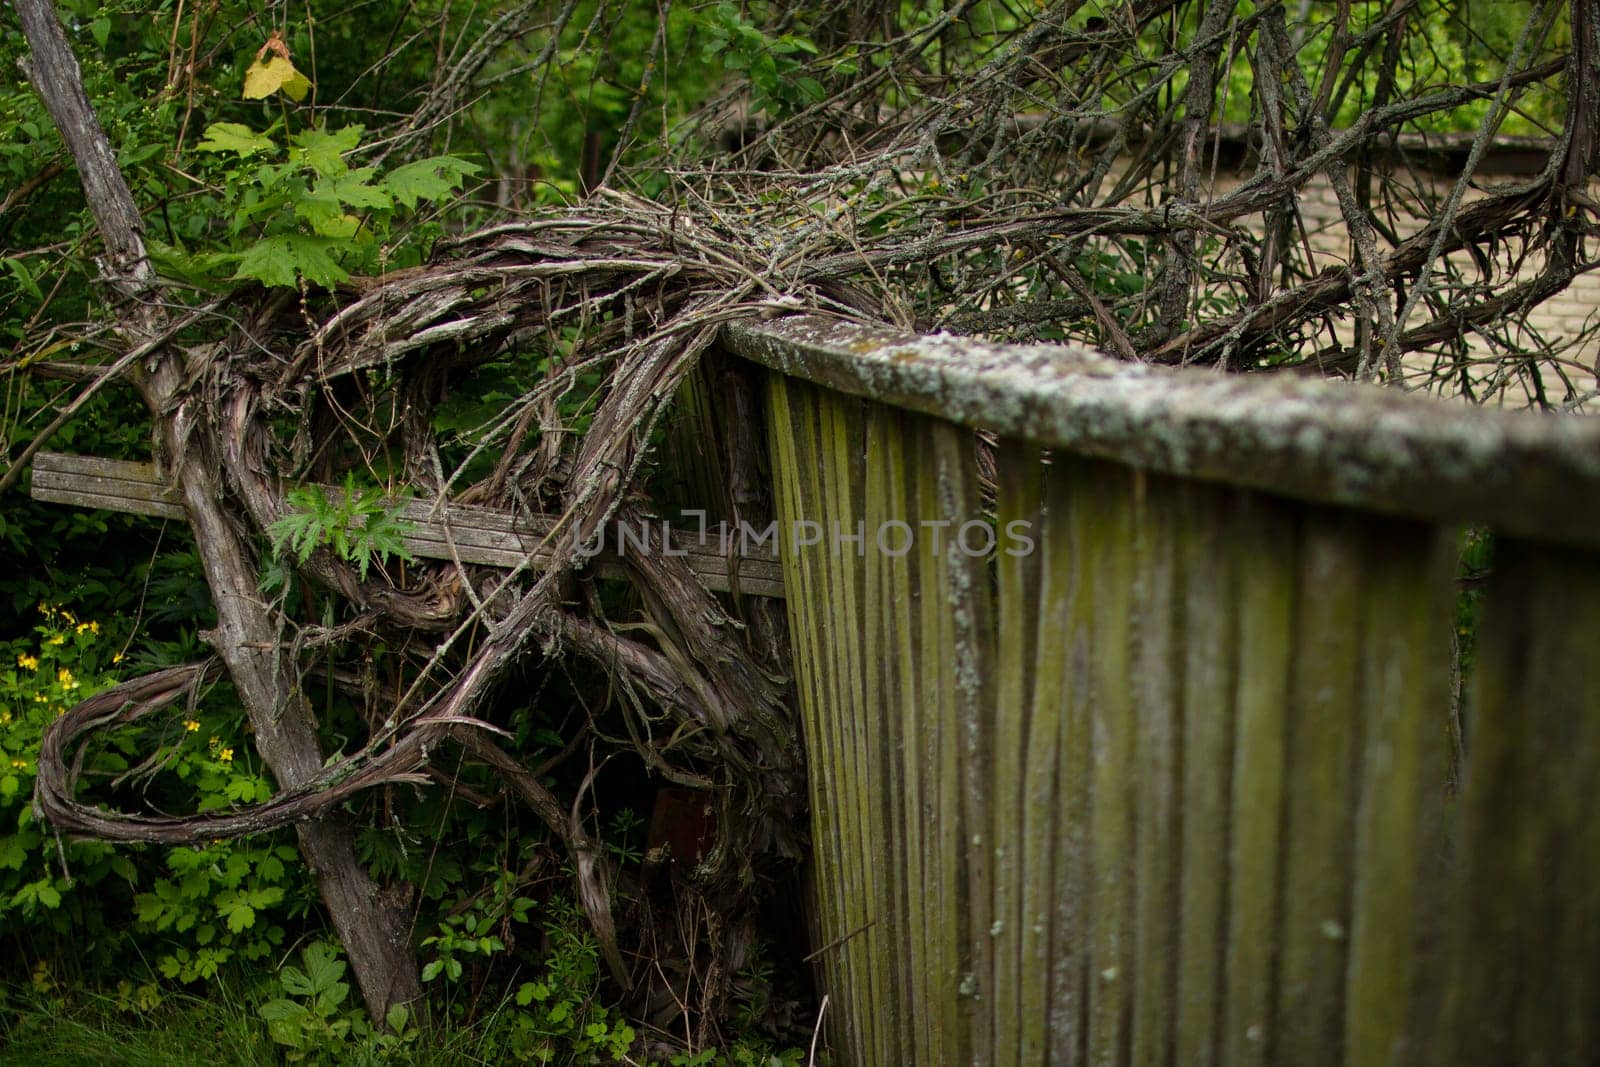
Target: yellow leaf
[
  {"x": 275, "y": 73},
  {"x": 297, "y": 87}
]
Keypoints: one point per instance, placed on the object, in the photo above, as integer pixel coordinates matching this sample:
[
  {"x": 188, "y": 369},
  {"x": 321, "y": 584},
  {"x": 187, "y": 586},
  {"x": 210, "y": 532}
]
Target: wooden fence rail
[
  {"x": 1184, "y": 782},
  {"x": 459, "y": 532}
]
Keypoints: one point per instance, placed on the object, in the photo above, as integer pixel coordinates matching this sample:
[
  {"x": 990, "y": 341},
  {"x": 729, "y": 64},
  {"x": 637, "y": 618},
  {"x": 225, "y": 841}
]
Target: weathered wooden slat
[
  {"x": 1063, "y": 701},
  {"x": 1264, "y": 536},
  {"x": 964, "y": 599},
  {"x": 1049, "y": 994},
  {"x": 1019, "y": 987},
  {"x": 1210, "y": 663},
  {"x": 1156, "y": 686},
  {"x": 462, "y": 532},
  {"x": 1359, "y": 446},
  {"x": 941, "y": 750},
  {"x": 1106, "y": 529},
  {"x": 1402, "y": 700},
  {"x": 791, "y": 409},
  {"x": 890, "y": 685},
  {"x": 840, "y": 479},
  {"x": 1324, "y": 721},
  {"x": 1525, "y": 981}
]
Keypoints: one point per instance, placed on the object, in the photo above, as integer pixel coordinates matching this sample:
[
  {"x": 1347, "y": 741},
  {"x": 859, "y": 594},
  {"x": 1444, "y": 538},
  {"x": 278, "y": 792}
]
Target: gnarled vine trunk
[{"x": 371, "y": 922}]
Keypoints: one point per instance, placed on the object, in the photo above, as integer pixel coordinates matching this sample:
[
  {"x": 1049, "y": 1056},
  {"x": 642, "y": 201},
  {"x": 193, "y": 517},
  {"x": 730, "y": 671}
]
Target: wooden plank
[
  {"x": 907, "y": 583},
  {"x": 462, "y": 532},
  {"x": 840, "y": 483},
  {"x": 966, "y": 597},
  {"x": 1265, "y": 542},
  {"x": 1211, "y": 575},
  {"x": 1319, "y": 802},
  {"x": 1404, "y": 694},
  {"x": 940, "y": 715},
  {"x": 792, "y": 438},
  {"x": 1065, "y": 760},
  {"x": 1107, "y": 530},
  {"x": 1380, "y": 450},
  {"x": 1525, "y": 981},
  {"x": 890, "y": 691},
  {"x": 126, "y": 503},
  {"x": 1018, "y": 990},
  {"x": 1156, "y": 684}
]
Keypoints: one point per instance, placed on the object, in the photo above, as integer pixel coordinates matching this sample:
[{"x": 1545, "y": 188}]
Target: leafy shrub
[
  {"x": 186, "y": 911},
  {"x": 356, "y": 525}
]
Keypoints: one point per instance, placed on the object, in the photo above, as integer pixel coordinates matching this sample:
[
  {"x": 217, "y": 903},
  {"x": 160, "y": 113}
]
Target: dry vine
[{"x": 641, "y": 293}]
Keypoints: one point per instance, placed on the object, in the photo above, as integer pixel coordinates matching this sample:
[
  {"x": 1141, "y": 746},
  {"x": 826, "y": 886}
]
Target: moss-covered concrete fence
[{"x": 1185, "y": 781}]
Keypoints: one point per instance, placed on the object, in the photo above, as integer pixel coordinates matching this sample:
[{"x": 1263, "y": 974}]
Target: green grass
[
  {"x": 49, "y": 1030},
  {"x": 42, "y": 1030}
]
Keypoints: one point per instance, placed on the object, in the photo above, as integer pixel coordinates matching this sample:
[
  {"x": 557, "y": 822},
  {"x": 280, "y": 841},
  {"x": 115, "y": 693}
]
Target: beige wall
[{"x": 1560, "y": 319}]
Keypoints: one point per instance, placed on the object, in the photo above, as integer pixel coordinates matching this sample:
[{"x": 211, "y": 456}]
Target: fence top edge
[{"x": 1365, "y": 447}]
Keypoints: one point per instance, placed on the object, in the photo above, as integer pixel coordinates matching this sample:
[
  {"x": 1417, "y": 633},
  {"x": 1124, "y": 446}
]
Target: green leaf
[
  {"x": 322, "y": 967},
  {"x": 295, "y": 982},
  {"x": 275, "y": 261},
  {"x": 13, "y": 853},
  {"x": 354, "y": 189},
  {"x": 265, "y": 897},
  {"x": 241, "y": 916},
  {"x": 327, "y": 217},
  {"x": 427, "y": 179},
  {"x": 20, "y": 274},
  {"x": 431, "y": 970},
  {"x": 286, "y": 1021},
  {"x": 233, "y": 137},
  {"x": 323, "y": 150}
]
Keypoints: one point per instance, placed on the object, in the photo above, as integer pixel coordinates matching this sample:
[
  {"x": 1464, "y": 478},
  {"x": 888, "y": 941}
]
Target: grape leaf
[
  {"x": 354, "y": 189},
  {"x": 275, "y": 73},
  {"x": 427, "y": 179},
  {"x": 275, "y": 261},
  {"x": 323, "y": 150},
  {"x": 233, "y": 137}
]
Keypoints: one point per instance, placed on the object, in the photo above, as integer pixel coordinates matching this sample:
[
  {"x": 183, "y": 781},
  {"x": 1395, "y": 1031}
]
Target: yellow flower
[
  {"x": 226, "y": 755},
  {"x": 5, "y": 717},
  {"x": 215, "y": 741},
  {"x": 191, "y": 725},
  {"x": 19, "y": 763},
  {"x": 66, "y": 679},
  {"x": 56, "y": 639},
  {"x": 90, "y": 627},
  {"x": 117, "y": 658},
  {"x": 29, "y": 662}
]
